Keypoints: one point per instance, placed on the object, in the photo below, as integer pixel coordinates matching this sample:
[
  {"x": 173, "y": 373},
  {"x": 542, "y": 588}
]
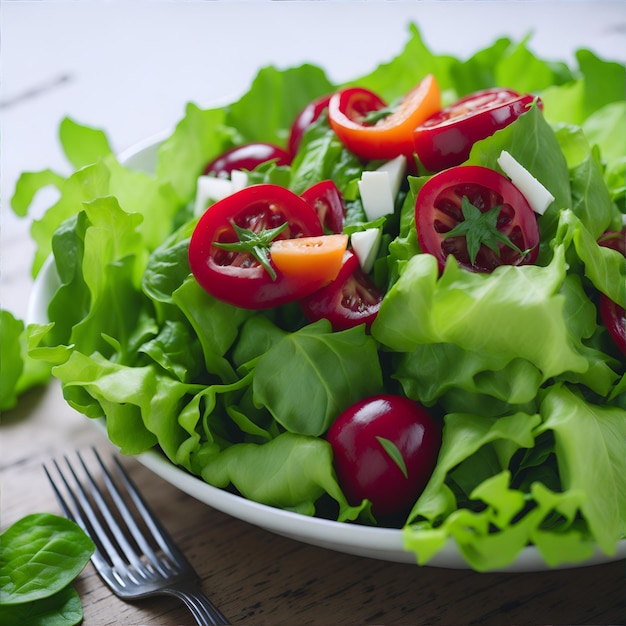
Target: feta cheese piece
[
  {"x": 397, "y": 172},
  {"x": 239, "y": 179},
  {"x": 209, "y": 189},
  {"x": 365, "y": 244},
  {"x": 379, "y": 188},
  {"x": 376, "y": 195},
  {"x": 537, "y": 195}
]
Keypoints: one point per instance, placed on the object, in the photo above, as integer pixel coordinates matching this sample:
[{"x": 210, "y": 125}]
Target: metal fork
[{"x": 134, "y": 563}]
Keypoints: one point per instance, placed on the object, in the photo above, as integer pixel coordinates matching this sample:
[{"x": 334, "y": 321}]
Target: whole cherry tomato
[
  {"x": 613, "y": 315},
  {"x": 328, "y": 203},
  {"x": 385, "y": 448},
  {"x": 303, "y": 120},
  {"x": 478, "y": 216},
  {"x": 349, "y": 300},
  {"x": 446, "y": 138},
  {"x": 237, "y": 276},
  {"x": 246, "y": 157},
  {"x": 392, "y": 134}
]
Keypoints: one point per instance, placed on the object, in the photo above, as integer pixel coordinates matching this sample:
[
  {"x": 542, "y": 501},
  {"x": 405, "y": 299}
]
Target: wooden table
[
  {"x": 84, "y": 60},
  {"x": 257, "y": 577}
]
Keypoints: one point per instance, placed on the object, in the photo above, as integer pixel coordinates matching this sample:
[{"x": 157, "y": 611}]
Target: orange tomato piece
[
  {"x": 312, "y": 259},
  {"x": 392, "y": 135}
]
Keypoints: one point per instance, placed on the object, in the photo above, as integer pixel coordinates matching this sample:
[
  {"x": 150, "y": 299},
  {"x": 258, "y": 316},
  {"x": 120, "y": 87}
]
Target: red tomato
[
  {"x": 438, "y": 209},
  {"x": 446, "y": 138},
  {"x": 237, "y": 277},
  {"x": 328, "y": 203},
  {"x": 304, "y": 119},
  {"x": 365, "y": 438},
  {"x": 349, "y": 300},
  {"x": 390, "y": 136},
  {"x": 246, "y": 157},
  {"x": 613, "y": 315}
]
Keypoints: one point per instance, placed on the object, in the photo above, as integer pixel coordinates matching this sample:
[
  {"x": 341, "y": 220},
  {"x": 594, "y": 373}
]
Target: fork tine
[
  {"x": 160, "y": 535},
  {"x": 85, "y": 516},
  {"x": 125, "y": 513},
  {"x": 160, "y": 567}
]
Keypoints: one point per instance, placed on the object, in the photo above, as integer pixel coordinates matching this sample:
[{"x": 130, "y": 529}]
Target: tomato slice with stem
[
  {"x": 310, "y": 258},
  {"x": 328, "y": 203},
  {"x": 478, "y": 216},
  {"x": 392, "y": 134},
  {"x": 349, "y": 300},
  {"x": 233, "y": 274},
  {"x": 446, "y": 138}
]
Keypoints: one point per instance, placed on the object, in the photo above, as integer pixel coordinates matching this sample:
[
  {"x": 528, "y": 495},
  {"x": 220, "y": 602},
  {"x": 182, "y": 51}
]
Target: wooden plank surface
[{"x": 257, "y": 577}]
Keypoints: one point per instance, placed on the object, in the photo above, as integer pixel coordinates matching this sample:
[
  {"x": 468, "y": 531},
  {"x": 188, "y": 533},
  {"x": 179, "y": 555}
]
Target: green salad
[{"x": 515, "y": 364}]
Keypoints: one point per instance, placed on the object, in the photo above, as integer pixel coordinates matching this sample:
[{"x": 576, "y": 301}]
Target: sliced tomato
[
  {"x": 310, "y": 259},
  {"x": 614, "y": 315},
  {"x": 246, "y": 157},
  {"x": 390, "y": 136},
  {"x": 329, "y": 205},
  {"x": 304, "y": 119},
  {"x": 439, "y": 208},
  {"x": 238, "y": 277},
  {"x": 446, "y": 138},
  {"x": 349, "y": 300}
]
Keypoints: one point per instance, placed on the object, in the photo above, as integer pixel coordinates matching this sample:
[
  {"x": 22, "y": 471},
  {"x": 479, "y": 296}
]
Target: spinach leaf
[
  {"x": 41, "y": 555},
  {"x": 61, "y": 609},
  {"x": 321, "y": 370}
]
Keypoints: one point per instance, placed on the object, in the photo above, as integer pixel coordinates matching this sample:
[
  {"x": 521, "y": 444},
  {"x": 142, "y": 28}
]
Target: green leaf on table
[
  {"x": 41, "y": 555},
  {"x": 61, "y": 609}
]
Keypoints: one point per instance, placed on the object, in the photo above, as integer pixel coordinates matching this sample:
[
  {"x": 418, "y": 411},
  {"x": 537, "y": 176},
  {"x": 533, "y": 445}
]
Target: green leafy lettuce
[{"x": 516, "y": 364}]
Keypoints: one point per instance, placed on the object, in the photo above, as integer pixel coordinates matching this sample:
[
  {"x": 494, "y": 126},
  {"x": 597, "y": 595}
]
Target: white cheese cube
[
  {"x": 376, "y": 194},
  {"x": 537, "y": 195},
  {"x": 365, "y": 244},
  {"x": 209, "y": 189}
]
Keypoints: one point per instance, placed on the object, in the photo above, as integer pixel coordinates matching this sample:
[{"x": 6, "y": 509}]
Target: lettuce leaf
[
  {"x": 516, "y": 363},
  {"x": 19, "y": 371}
]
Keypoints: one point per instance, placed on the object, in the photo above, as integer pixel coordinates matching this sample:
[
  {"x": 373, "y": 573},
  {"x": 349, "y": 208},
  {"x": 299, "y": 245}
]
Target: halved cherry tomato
[
  {"x": 304, "y": 119},
  {"x": 246, "y": 157},
  {"x": 310, "y": 258},
  {"x": 349, "y": 300},
  {"x": 238, "y": 277},
  {"x": 439, "y": 208},
  {"x": 328, "y": 203},
  {"x": 613, "y": 315},
  {"x": 385, "y": 448},
  {"x": 390, "y": 136},
  {"x": 446, "y": 138}
]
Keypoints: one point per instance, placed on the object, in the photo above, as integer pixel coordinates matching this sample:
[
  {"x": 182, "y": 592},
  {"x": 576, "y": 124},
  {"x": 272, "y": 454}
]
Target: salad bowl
[
  {"x": 108, "y": 379},
  {"x": 372, "y": 542}
]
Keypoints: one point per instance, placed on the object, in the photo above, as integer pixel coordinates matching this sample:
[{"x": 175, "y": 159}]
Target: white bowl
[{"x": 378, "y": 543}]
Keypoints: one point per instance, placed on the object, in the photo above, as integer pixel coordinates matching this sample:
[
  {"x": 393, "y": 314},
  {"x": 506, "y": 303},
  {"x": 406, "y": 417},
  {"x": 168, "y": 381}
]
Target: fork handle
[{"x": 203, "y": 610}]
